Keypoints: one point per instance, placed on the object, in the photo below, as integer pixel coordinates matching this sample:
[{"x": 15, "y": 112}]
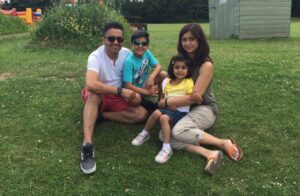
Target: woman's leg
[
  {"x": 177, "y": 145},
  {"x": 213, "y": 157},
  {"x": 224, "y": 144},
  {"x": 190, "y": 128},
  {"x": 206, "y": 153}
]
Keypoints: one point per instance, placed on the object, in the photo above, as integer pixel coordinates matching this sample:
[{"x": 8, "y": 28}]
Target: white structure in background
[{"x": 245, "y": 19}]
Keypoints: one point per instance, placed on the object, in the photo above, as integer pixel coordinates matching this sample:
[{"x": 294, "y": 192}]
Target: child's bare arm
[
  {"x": 155, "y": 73},
  {"x": 176, "y": 101}
]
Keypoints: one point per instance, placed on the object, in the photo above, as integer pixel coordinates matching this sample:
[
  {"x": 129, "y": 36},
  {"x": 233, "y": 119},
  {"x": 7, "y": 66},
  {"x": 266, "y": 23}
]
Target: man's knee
[{"x": 93, "y": 98}]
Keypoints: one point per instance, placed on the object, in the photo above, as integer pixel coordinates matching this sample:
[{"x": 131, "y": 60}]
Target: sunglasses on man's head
[
  {"x": 137, "y": 43},
  {"x": 113, "y": 39}
]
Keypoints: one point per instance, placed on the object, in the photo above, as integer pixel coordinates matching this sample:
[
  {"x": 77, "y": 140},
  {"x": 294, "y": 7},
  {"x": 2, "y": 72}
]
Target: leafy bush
[
  {"x": 11, "y": 24},
  {"x": 76, "y": 26}
]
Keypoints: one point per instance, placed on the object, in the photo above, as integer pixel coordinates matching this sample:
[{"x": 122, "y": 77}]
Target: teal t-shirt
[{"x": 136, "y": 69}]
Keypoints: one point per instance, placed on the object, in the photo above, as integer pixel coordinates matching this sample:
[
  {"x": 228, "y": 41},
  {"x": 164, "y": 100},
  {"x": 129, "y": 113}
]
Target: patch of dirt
[
  {"x": 70, "y": 79},
  {"x": 5, "y": 75},
  {"x": 58, "y": 78},
  {"x": 11, "y": 36}
]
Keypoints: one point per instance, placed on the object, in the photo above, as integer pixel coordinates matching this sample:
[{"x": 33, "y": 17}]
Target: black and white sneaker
[{"x": 87, "y": 163}]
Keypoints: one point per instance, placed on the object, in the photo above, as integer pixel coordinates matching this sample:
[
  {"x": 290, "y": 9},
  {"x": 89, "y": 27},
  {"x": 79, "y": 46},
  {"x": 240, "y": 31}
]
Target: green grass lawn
[{"x": 257, "y": 85}]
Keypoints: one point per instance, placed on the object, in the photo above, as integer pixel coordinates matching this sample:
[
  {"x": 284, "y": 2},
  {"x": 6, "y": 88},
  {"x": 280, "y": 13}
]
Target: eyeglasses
[
  {"x": 137, "y": 43},
  {"x": 113, "y": 39},
  {"x": 177, "y": 67}
]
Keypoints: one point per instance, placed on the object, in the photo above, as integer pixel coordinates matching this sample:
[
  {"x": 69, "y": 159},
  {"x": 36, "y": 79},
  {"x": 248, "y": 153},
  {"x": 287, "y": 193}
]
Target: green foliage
[
  {"x": 295, "y": 8},
  {"x": 158, "y": 11},
  {"x": 76, "y": 26},
  {"x": 11, "y": 25}
]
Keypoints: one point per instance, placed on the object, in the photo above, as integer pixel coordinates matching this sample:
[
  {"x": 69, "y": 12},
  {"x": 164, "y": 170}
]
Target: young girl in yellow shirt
[{"x": 179, "y": 83}]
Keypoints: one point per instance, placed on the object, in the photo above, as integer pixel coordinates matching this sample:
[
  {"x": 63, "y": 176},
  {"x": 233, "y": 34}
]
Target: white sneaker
[
  {"x": 140, "y": 139},
  {"x": 163, "y": 156}
]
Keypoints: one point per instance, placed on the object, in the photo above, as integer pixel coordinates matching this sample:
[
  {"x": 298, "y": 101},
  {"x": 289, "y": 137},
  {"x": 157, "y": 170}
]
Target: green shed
[{"x": 245, "y": 19}]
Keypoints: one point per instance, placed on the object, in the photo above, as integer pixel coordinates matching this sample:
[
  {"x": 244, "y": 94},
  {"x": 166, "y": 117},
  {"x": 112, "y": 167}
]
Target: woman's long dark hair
[{"x": 202, "y": 52}]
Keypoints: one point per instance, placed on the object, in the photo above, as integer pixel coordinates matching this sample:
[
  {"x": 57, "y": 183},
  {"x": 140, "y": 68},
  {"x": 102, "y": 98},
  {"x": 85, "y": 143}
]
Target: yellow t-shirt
[{"x": 183, "y": 88}]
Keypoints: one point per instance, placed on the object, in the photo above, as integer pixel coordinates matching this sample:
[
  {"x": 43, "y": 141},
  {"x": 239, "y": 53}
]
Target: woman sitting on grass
[
  {"x": 189, "y": 132},
  {"x": 178, "y": 84}
]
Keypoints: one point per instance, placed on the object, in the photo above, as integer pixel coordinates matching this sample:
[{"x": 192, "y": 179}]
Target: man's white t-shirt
[{"x": 109, "y": 73}]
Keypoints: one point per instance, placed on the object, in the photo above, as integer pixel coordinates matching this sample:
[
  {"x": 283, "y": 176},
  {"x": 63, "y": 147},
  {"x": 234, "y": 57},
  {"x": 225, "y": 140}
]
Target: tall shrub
[
  {"x": 76, "y": 26},
  {"x": 11, "y": 25}
]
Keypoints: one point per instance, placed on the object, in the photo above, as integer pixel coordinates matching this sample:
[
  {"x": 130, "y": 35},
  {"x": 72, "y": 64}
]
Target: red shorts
[{"x": 110, "y": 103}]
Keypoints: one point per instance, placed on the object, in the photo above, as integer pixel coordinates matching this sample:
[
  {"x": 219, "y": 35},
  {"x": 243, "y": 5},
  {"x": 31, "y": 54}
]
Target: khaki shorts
[{"x": 190, "y": 129}]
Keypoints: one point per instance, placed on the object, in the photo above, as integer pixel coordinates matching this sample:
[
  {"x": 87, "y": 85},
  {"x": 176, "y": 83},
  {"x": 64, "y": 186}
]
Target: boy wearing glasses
[
  {"x": 103, "y": 94},
  {"x": 136, "y": 70}
]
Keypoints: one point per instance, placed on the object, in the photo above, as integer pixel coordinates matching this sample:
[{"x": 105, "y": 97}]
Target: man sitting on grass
[{"x": 104, "y": 90}]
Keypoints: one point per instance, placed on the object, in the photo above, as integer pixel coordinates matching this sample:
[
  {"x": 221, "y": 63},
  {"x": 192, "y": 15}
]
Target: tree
[
  {"x": 157, "y": 11},
  {"x": 295, "y": 8},
  {"x": 21, "y": 5}
]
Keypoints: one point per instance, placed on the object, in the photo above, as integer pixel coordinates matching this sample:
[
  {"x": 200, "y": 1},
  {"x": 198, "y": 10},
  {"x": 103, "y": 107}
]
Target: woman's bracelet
[{"x": 166, "y": 103}]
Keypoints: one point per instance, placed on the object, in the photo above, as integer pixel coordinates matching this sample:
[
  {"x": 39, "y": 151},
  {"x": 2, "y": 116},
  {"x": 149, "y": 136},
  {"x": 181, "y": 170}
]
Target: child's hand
[
  {"x": 126, "y": 93},
  {"x": 153, "y": 91},
  {"x": 131, "y": 97},
  {"x": 134, "y": 99},
  {"x": 149, "y": 83},
  {"x": 161, "y": 103}
]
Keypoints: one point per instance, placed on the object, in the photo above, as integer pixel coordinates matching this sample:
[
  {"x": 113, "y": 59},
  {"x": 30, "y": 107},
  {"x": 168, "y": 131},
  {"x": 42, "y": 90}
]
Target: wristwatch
[{"x": 119, "y": 90}]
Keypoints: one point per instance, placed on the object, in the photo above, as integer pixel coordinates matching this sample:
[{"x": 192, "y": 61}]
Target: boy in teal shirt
[{"x": 136, "y": 70}]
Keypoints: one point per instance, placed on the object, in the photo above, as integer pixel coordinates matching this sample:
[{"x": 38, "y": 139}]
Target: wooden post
[{"x": 28, "y": 15}]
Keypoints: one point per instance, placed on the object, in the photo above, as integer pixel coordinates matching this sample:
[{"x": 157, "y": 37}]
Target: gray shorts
[{"x": 190, "y": 129}]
